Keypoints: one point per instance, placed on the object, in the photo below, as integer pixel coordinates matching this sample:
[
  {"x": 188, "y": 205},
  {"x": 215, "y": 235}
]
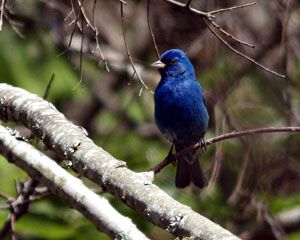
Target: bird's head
[{"x": 175, "y": 63}]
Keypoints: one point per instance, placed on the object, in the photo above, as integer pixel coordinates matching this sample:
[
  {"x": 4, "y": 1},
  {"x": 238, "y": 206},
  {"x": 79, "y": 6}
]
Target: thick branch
[
  {"x": 136, "y": 190},
  {"x": 67, "y": 187}
]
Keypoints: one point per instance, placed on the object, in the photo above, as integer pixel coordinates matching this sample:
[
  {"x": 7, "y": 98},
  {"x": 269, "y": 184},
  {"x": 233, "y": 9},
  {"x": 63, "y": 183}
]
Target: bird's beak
[{"x": 158, "y": 64}]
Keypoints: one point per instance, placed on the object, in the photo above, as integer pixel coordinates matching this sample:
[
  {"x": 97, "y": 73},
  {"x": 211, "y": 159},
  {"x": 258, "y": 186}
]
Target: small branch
[
  {"x": 252, "y": 132},
  {"x": 2, "y": 13},
  {"x": 84, "y": 15},
  {"x": 46, "y": 93},
  {"x": 97, "y": 39},
  {"x": 179, "y": 4},
  {"x": 231, "y": 8},
  {"x": 67, "y": 187},
  {"x": 151, "y": 31},
  {"x": 229, "y": 35},
  {"x": 240, "y": 53},
  {"x": 81, "y": 50},
  {"x": 223, "y": 137},
  {"x": 127, "y": 49},
  {"x": 19, "y": 206},
  {"x": 74, "y": 21},
  {"x": 208, "y": 17}
]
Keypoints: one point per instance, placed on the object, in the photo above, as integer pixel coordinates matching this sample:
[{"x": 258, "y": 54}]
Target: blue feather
[{"x": 180, "y": 112}]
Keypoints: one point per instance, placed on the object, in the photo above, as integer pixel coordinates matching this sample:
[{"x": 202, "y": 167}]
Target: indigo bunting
[{"x": 181, "y": 114}]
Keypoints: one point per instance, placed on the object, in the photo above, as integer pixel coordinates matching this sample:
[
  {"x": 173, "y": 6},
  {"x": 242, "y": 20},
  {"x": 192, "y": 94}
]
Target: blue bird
[{"x": 180, "y": 113}]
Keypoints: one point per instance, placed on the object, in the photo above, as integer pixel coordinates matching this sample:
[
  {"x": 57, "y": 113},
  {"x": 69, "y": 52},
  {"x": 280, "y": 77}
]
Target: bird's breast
[{"x": 180, "y": 111}]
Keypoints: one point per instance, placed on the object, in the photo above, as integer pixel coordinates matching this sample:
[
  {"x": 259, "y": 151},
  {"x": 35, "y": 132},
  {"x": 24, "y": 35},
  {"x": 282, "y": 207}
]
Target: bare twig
[
  {"x": 127, "y": 49},
  {"x": 84, "y": 15},
  {"x": 184, "y": 5},
  {"x": 74, "y": 21},
  {"x": 97, "y": 38},
  {"x": 251, "y": 132},
  {"x": 232, "y": 8},
  {"x": 229, "y": 35},
  {"x": 2, "y": 13},
  {"x": 80, "y": 54},
  {"x": 5, "y": 206},
  {"x": 19, "y": 206},
  {"x": 4, "y": 196},
  {"x": 46, "y": 93},
  {"x": 81, "y": 51},
  {"x": 208, "y": 17},
  {"x": 240, "y": 53},
  {"x": 150, "y": 30},
  {"x": 223, "y": 137}
]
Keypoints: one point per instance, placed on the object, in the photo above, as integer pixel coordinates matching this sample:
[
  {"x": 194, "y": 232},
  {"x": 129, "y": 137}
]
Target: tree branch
[
  {"x": 19, "y": 206},
  {"x": 134, "y": 189},
  {"x": 68, "y": 188},
  {"x": 208, "y": 17}
]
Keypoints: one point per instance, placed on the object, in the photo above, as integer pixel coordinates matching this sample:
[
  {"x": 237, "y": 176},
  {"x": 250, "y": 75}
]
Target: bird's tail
[{"x": 189, "y": 170}]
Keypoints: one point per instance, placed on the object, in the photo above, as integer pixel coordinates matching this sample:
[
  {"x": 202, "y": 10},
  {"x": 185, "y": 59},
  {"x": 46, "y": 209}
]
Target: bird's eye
[{"x": 172, "y": 61}]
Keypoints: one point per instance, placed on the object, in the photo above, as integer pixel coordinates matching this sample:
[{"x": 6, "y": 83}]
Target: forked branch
[{"x": 209, "y": 20}]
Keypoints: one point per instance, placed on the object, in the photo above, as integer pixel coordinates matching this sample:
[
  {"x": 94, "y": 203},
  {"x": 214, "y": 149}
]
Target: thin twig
[
  {"x": 2, "y": 13},
  {"x": 232, "y": 8},
  {"x": 80, "y": 55},
  {"x": 5, "y": 206},
  {"x": 150, "y": 30},
  {"x": 49, "y": 86},
  {"x": 227, "y": 34},
  {"x": 179, "y": 4},
  {"x": 97, "y": 39},
  {"x": 208, "y": 17},
  {"x": 5, "y": 197},
  {"x": 84, "y": 15},
  {"x": 127, "y": 49},
  {"x": 18, "y": 207},
  {"x": 74, "y": 21},
  {"x": 249, "y": 132},
  {"x": 240, "y": 53}
]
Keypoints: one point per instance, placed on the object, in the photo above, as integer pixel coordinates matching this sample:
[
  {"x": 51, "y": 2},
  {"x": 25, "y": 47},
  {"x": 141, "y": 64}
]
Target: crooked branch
[
  {"x": 127, "y": 49},
  {"x": 226, "y": 136},
  {"x": 208, "y": 18}
]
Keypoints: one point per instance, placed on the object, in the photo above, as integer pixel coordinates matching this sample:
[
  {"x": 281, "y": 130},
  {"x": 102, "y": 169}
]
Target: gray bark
[
  {"x": 67, "y": 187},
  {"x": 91, "y": 161}
]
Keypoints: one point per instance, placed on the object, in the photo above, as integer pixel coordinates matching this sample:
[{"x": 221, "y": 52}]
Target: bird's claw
[{"x": 203, "y": 145}]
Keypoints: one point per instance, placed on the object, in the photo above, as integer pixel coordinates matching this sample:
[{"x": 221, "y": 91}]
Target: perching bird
[{"x": 180, "y": 113}]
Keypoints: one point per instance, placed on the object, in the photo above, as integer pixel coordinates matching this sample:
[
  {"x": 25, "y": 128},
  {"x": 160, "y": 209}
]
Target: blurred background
[{"x": 254, "y": 186}]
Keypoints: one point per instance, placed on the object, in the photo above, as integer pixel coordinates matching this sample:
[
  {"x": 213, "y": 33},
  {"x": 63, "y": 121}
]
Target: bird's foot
[
  {"x": 203, "y": 145},
  {"x": 169, "y": 159}
]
